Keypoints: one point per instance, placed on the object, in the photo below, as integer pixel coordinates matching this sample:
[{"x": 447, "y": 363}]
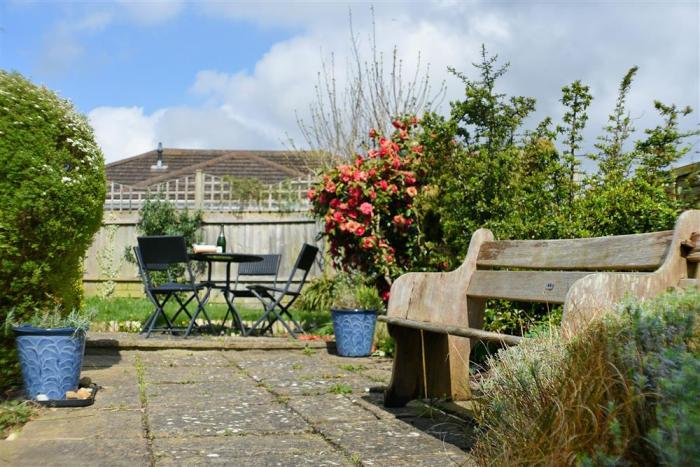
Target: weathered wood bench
[{"x": 435, "y": 318}]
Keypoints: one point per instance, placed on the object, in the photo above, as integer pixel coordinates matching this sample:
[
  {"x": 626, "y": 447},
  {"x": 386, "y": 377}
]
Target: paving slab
[
  {"x": 224, "y": 419},
  {"x": 189, "y": 374},
  {"x": 118, "y": 386},
  {"x": 248, "y": 450},
  {"x": 385, "y": 441},
  {"x": 89, "y": 424},
  {"x": 203, "y": 394},
  {"x": 183, "y": 358},
  {"x": 100, "y": 358},
  {"x": 328, "y": 408},
  {"x": 64, "y": 452}
]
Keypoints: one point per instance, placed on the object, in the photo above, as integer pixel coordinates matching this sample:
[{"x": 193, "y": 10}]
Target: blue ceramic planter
[
  {"x": 354, "y": 331},
  {"x": 50, "y": 359}
]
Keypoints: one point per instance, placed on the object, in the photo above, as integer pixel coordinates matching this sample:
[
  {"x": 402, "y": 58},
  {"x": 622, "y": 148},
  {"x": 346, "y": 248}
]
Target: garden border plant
[{"x": 52, "y": 190}]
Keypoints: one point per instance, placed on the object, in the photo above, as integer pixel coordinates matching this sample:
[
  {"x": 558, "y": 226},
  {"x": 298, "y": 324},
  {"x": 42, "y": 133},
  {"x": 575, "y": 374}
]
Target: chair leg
[
  {"x": 200, "y": 309},
  {"x": 160, "y": 310}
]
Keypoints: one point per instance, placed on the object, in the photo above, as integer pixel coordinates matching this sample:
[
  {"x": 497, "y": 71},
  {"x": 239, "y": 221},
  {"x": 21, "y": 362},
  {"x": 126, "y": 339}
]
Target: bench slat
[
  {"x": 453, "y": 330},
  {"x": 638, "y": 252},
  {"x": 523, "y": 286}
]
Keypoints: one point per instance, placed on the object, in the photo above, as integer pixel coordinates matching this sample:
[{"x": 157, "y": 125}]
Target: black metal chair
[
  {"x": 160, "y": 254},
  {"x": 277, "y": 301},
  {"x": 269, "y": 266}
]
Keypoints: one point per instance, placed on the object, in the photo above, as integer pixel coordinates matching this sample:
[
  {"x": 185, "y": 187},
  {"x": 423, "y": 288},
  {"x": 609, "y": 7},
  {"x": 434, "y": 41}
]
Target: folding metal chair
[
  {"x": 269, "y": 266},
  {"x": 277, "y": 301},
  {"x": 159, "y": 254}
]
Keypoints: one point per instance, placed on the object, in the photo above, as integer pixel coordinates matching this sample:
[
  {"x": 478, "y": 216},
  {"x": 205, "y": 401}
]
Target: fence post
[{"x": 198, "y": 189}]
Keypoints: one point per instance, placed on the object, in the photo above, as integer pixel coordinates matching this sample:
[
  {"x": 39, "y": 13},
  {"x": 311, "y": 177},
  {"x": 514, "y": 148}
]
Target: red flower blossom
[
  {"x": 330, "y": 187},
  {"x": 311, "y": 194},
  {"x": 367, "y": 209}
]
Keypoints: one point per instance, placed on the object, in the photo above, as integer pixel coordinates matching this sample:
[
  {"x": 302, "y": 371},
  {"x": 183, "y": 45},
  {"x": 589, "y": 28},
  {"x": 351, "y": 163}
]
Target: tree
[
  {"x": 576, "y": 98},
  {"x": 373, "y": 96},
  {"x": 613, "y": 161}
]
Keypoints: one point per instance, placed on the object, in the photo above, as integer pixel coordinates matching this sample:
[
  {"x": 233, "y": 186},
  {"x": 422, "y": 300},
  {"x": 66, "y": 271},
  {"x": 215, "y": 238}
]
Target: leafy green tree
[
  {"x": 613, "y": 162},
  {"x": 576, "y": 98}
]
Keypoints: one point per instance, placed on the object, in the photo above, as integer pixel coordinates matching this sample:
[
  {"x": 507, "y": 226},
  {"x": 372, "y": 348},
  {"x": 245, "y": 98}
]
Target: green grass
[
  {"x": 340, "y": 389},
  {"x": 138, "y": 309},
  {"x": 14, "y": 414}
]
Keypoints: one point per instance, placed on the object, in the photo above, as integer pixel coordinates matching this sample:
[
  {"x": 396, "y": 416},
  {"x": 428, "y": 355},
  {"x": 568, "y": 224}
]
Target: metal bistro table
[{"x": 229, "y": 294}]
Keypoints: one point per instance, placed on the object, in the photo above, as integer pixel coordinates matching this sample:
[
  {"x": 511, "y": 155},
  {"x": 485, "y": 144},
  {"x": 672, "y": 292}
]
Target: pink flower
[
  {"x": 330, "y": 187},
  {"x": 411, "y": 191},
  {"x": 367, "y": 209},
  {"x": 311, "y": 194},
  {"x": 360, "y": 231}
]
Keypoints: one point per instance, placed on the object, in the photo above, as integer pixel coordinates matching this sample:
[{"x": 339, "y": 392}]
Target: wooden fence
[
  {"x": 106, "y": 271},
  {"x": 211, "y": 193}
]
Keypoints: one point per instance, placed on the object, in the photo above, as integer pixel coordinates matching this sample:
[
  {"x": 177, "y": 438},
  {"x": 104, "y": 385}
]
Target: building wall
[{"x": 245, "y": 233}]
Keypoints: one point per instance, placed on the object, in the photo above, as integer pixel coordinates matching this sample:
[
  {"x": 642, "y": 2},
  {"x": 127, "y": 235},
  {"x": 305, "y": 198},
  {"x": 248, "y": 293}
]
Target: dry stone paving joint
[{"x": 180, "y": 407}]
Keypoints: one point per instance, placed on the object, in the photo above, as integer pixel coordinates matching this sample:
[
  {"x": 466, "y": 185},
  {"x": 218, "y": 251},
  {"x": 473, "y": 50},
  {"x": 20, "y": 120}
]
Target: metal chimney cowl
[{"x": 159, "y": 160}]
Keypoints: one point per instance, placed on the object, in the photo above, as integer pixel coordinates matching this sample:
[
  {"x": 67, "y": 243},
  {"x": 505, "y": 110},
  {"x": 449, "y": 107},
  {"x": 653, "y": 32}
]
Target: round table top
[{"x": 226, "y": 257}]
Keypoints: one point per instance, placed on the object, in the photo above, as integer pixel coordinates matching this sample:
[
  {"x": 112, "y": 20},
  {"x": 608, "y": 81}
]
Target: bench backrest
[{"x": 544, "y": 270}]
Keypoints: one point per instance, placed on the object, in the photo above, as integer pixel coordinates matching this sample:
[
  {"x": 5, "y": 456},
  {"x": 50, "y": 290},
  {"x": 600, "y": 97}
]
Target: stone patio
[{"x": 238, "y": 407}]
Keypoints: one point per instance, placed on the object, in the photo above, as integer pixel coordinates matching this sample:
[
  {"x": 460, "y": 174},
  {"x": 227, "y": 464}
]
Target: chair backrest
[
  {"x": 160, "y": 251},
  {"x": 304, "y": 263},
  {"x": 306, "y": 257},
  {"x": 546, "y": 269},
  {"x": 267, "y": 267}
]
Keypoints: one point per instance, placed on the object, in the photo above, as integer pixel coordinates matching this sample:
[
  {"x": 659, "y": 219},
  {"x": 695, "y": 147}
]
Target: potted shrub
[
  {"x": 354, "y": 312},
  {"x": 50, "y": 346}
]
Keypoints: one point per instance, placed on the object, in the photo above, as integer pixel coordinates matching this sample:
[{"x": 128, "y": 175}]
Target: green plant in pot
[
  {"x": 354, "y": 310},
  {"x": 50, "y": 346}
]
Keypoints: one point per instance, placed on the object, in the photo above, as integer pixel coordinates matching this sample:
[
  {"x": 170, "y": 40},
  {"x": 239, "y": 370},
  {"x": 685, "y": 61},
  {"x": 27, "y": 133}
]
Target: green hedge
[{"x": 52, "y": 188}]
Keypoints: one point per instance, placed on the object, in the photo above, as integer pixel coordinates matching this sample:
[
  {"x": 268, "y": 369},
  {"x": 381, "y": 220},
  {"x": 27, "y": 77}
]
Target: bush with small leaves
[{"x": 52, "y": 189}]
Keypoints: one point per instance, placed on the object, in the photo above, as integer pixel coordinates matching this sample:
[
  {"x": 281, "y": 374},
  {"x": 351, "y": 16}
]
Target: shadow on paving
[{"x": 429, "y": 419}]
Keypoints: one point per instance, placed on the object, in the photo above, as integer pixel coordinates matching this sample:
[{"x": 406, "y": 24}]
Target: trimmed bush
[
  {"x": 52, "y": 188},
  {"x": 623, "y": 392}
]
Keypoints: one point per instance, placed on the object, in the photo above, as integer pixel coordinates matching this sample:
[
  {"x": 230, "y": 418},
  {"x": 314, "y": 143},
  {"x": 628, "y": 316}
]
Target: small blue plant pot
[
  {"x": 354, "y": 331},
  {"x": 51, "y": 360}
]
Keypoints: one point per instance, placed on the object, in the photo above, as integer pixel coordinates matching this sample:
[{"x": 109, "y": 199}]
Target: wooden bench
[{"x": 435, "y": 318}]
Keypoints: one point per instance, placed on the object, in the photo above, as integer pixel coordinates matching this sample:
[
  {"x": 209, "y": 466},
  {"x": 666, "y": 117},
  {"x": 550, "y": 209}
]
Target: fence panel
[{"x": 211, "y": 193}]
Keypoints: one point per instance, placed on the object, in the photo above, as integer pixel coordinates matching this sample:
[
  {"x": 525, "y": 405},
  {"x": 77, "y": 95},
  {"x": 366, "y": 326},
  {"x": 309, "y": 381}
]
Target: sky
[{"x": 237, "y": 75}]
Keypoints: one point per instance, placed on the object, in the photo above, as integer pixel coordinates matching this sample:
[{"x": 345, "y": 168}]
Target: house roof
[{"x": 267, "y": 166}]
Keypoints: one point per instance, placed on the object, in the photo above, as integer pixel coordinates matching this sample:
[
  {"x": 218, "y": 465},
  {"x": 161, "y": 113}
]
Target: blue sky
[
  {"x": 120, "y": 61},
  {"x": 225, "y": 74}
]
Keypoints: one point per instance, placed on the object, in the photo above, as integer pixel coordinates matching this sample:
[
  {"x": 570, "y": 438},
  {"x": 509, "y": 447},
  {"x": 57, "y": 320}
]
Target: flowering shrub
[
  {"x": 52, "y": 189},
  {"x": 368, "y": 206}
]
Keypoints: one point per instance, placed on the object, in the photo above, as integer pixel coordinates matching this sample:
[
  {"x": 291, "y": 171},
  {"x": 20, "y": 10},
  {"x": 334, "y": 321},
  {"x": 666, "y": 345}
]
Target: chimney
[{"x": 159, "y": 161}]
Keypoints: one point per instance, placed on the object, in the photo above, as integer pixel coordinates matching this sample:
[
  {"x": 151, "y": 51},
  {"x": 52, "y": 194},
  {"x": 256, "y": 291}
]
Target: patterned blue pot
[
  {"x": 50, "y": 359},
  {"x": 354, "y": 331}
]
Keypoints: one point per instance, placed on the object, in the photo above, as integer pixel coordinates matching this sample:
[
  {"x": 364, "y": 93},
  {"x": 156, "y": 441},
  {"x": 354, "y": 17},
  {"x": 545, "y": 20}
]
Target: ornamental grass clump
[{"x": 624, "y": 391}]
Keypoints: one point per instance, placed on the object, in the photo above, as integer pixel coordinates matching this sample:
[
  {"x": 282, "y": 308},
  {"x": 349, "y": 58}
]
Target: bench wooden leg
[
  {"x": 406, "y": 373},
  {"x": 446, "y": 361}
]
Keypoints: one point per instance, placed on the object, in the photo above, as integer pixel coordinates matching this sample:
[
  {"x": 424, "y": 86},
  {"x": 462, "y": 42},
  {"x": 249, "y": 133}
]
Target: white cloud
[
  {"x": 548, "y": 45},
  {"x": 123, "y": 131}
]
